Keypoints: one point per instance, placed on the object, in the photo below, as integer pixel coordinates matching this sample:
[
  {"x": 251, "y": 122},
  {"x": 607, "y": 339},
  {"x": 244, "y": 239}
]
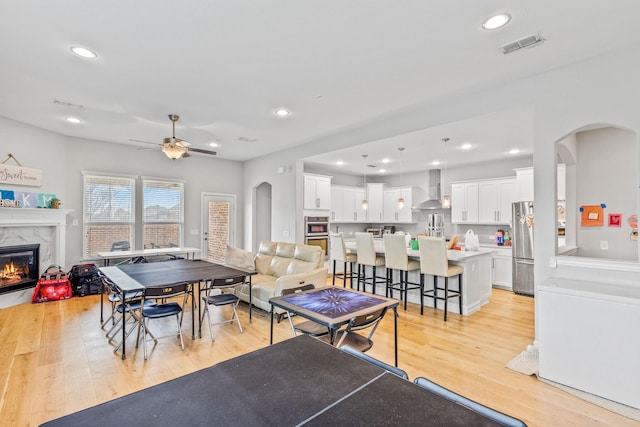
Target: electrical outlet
[{"x": 604, "y": 245}]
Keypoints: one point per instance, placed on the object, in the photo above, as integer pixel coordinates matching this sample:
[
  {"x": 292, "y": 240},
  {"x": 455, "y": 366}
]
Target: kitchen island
[{"x": 476, "y": 279}]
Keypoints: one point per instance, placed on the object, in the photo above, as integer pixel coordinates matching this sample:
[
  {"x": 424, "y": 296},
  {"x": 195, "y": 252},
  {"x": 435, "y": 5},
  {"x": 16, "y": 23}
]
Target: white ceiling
[{"x": 225, "y": 66}]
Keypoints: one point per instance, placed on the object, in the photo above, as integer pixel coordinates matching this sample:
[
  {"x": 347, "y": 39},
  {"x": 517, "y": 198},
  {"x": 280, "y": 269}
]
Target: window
[
  {"x": 163, "y": 218},
  {"x": 109, "y": 215},
  {"x": 111, "y": 221}
]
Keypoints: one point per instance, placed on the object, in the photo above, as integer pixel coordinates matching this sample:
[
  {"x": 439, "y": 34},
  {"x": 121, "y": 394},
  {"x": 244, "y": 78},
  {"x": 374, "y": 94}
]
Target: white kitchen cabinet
[
  {"x": 317, "y": 192},
  {"x": 391, "y": 212},
  {"x": 524, "y": 183},
  {"x": 337, "y": 201},
  {"x": 502, "y": 269},
  {"x": 346, "y": 204},
  {"x": 464, "y": 203},
  {"x": 375, "y": 196},
  {"x": 495, "y": 199}
]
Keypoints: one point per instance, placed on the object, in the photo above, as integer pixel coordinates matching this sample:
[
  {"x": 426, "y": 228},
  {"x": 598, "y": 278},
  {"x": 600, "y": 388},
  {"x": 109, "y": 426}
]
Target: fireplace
[{"x": 18, "y": 267}]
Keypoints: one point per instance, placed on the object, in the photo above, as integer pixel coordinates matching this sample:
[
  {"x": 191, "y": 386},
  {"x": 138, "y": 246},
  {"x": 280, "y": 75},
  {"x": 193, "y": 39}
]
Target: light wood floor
[{"x": 54, "y": 359}]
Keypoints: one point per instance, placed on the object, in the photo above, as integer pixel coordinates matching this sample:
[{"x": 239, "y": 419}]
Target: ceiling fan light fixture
[{"x": 173, "y": 151}]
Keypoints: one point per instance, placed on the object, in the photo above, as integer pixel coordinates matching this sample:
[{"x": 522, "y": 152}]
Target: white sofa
[{"x": 279, "y": 266}]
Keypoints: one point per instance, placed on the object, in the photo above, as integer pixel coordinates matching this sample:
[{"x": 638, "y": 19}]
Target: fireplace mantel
[{"x": 24, "y": 217}]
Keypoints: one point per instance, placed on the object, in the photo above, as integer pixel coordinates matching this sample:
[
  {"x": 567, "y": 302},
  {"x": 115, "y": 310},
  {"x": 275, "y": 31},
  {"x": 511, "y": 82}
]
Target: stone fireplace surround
[{"x": 46, "y": 227}]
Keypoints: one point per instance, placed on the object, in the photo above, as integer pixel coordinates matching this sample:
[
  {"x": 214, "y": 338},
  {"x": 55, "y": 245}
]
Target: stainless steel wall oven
[{"x": 316, "y": 232}]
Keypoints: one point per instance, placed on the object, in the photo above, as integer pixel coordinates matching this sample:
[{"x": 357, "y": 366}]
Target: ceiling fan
[{"x": 176, "y": 148}]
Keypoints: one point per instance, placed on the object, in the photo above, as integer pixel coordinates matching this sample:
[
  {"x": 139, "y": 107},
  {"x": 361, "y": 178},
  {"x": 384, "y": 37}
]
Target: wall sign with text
[{"x": 18, "y": 175}]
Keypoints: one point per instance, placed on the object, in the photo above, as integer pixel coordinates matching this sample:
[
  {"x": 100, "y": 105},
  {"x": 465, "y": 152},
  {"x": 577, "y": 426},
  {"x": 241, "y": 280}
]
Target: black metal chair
[
  {"x": 165, "y": 309},
  {"x": 221, "y": 299},
  {"x": 123, "y": 313},
  {"x": 360, "y": 355},
  {"x": 490, "y": 413},
  {"x": 307, "y": 327},
  {"x": 122, "y": 245},
  {"x": 349, "y": 337}
]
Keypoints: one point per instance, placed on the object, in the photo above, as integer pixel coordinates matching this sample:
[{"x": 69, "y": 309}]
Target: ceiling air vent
[{"x": 523, "y": 43}]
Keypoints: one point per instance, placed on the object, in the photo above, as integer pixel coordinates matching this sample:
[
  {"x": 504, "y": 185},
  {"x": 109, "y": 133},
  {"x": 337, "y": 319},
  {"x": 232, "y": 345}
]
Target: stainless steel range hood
[{"x": 435, "y": 197}]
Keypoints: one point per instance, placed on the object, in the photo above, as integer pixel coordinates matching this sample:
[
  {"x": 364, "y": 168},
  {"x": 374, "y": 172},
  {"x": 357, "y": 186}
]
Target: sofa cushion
[
  {"x": 312, "y": 254},
  {"x": 262, "y": 286},
  {"x": 286, "y": 250},
  {"x": 266, "y": 251},
  {"x": 239, "y": 258},
  {"x": 278, "y": 266}
]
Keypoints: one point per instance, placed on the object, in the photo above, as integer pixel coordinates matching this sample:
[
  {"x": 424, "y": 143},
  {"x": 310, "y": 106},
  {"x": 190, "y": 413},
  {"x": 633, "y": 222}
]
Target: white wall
[
  {"x": 62, "y": 159},
  {"x": 607, "y": 173}
]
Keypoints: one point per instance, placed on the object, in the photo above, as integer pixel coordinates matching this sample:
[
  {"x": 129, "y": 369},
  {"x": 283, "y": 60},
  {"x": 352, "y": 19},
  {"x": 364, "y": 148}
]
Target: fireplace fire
[{"x": 18, "y": 267}]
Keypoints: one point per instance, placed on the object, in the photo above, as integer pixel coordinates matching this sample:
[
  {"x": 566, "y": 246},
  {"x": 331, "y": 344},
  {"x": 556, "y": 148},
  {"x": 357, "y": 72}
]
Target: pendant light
[
  {"x": 400, "y": 199},
  {"x": 365, "y": 202},
  {"x": 446, "y": 201}
]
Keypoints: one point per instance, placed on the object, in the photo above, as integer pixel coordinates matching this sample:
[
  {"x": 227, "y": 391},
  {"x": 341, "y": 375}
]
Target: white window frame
[
  {"x": 87, "y": 222},
  {"x": 180, "y": 221}
]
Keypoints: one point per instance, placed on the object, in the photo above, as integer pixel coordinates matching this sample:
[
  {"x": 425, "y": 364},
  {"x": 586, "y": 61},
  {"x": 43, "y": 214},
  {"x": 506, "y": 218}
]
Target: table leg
[
  {"x": 271, "y": 334},
  {"x": 124, "y": 325},
  {"x": 395, "y": 332},
  {"x": 193, "y": 311},
  {"x": 101, "y": 303},
  {"x": 251, "y": 302}
]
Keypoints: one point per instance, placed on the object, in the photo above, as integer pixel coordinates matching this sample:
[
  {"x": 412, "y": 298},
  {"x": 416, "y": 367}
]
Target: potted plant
[{"x": 55, "y": 203}]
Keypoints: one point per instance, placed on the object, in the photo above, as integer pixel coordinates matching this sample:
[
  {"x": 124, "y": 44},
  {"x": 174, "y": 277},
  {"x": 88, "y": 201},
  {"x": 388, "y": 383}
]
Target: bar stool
[
  {"x": 366, "y": 256},
  {"x": 395, "y": 252},
  {"x": 433, "y": 261},
  {"x": 338, "y": 252}
]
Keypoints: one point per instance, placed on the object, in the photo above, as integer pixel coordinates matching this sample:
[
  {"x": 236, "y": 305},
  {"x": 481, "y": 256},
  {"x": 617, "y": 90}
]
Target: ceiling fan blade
[
  {"x": 144, "y": 142},
  {"x": 200, "y": 150}
]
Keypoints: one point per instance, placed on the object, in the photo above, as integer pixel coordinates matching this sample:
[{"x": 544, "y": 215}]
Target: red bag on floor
[{"x": 52, "y": 285}]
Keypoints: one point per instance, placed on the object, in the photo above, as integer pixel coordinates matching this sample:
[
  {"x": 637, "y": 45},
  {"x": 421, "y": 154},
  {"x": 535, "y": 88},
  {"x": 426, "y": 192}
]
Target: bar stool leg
[
  {"x": 460, "y": 292},
  {"x": 333, "y": 279},
  {"x": 405, "y": 286},
  {"x": 344, "y": 275},
  {"x": 421, "y": 294},
  {"x": 446, "y": 296}
]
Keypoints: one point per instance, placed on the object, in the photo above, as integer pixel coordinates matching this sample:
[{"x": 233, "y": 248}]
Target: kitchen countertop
[{"x": 453, "y": 255}]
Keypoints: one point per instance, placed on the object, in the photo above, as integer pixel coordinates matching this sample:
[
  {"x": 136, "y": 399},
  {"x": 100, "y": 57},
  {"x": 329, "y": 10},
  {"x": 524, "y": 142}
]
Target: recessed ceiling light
[
  {"x": 435, "y": 163},
  {"x": 213, "y": 144},
  {"x": 385, "y": 160},
  {"x": 382, "y": 170},
  {"x": 514, "y": 151},
  {"x": 496, "y": 21},
  {"x": 466, "y": 146},
  {"x": 73, "y": 120},
  {"x": 339, "y": 163},
  {"x": 83, "y": 52},
  {"x": 282, "y": 112}
]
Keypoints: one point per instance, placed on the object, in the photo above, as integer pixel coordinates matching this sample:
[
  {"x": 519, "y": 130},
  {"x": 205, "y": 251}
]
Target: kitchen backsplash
[{"x": 486, "y": 233}]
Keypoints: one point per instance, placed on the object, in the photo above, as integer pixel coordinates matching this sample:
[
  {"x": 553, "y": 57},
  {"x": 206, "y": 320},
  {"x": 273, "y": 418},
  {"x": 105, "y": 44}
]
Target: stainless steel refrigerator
[{"x": 523, "y": 223}]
